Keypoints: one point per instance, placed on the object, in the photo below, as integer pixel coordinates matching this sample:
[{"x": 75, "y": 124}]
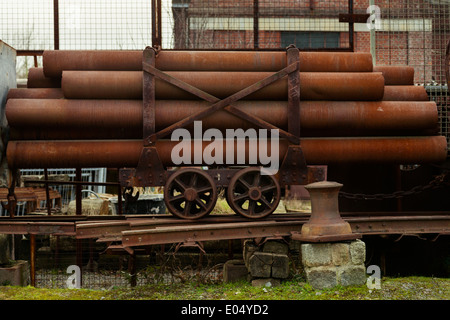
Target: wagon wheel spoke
[{"x": 264, "y": 201}]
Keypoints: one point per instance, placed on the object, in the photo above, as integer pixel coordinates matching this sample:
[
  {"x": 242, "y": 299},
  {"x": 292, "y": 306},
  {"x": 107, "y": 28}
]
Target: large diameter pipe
[
  {"x": 56, "y": 61},
  {"x": 317, "y": 151},
  {"x": 37, "y": 79},
  {"x": 396, "y": 75},
  {"x": 405, "y": 93},
  {"x": 391, "y": 93},
  {"x": 35, "y": 93},
  {"x": 122, "y": 119},
  {"x": 313, "y": 85}
]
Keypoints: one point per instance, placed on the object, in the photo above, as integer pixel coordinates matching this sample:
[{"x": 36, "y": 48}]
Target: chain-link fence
[
  {"x": 56, "y": 257},
  {"x": 416, "y": 33}
]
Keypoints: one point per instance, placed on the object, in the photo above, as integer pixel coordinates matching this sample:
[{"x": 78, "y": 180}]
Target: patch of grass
[{"x": 416, "y": 288}]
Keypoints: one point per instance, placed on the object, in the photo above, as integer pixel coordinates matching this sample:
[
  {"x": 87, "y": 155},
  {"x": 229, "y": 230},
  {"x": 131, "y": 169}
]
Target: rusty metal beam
[
  {"x": 402, "y": 224},
  {"x": 317, "y": 151},
  {"x": 243, "y": 230},
  {"x": 222, "y": 231},
  {"x": 35, "y": 227}
]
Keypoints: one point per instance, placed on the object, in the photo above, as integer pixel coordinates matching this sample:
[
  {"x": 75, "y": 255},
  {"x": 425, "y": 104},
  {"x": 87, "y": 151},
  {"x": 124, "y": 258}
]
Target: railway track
[{"x": 141, "y": 230}]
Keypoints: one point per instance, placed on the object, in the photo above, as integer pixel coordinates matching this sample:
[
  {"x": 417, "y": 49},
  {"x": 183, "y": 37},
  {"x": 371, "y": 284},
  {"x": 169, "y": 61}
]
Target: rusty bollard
[{"x": 325, "y": 223}]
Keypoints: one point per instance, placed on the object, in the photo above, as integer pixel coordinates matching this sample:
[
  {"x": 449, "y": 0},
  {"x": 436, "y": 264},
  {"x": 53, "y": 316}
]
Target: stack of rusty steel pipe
[{"x": 84, "y": 108}]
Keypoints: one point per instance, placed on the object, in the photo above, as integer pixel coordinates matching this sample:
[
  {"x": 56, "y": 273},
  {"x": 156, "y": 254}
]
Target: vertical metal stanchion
[
  {"x": 33, "y": 260},
  {"x": 132, "y": 269},
  {"x": 47, "y": 193},
  {"x": 78, "y": 188}
]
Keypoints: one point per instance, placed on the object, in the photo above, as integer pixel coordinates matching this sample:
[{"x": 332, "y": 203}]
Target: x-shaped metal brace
[{"x": 155, "y": 175}]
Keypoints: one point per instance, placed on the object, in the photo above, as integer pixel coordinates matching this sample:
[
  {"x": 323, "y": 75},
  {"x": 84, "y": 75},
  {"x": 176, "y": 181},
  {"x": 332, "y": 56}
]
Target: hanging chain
[{"x": 438, "y": 182}]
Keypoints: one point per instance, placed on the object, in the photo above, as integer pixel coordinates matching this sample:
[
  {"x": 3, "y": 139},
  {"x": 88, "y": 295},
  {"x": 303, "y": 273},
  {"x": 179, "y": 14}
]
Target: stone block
[
  {"x": 340, "y": 253},
  {"x": 351, "y": 275},
  {"x": 234, "y": 270},
  {"x": 280, "y": 266},
  {"x": 316, "y": 254},
  {"x": 277, "y": 247},
  {"x": 266, "y": 282},
  {"x": 358, "y": 252},
  {"x": 260, "y": 264},
  {"x": 321, "y": 277}
]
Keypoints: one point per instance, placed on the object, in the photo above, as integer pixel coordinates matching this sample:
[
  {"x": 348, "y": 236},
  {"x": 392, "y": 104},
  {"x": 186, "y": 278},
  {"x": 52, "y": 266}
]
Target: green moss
[{"x": 418, "y": 288}]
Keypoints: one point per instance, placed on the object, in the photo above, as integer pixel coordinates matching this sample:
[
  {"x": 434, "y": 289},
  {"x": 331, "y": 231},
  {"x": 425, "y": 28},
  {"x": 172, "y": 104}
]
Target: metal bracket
[
  {"x": 293, "y": 169},
  {"x": 149, "y": 171},
  {"x": 190, "y": 243}
]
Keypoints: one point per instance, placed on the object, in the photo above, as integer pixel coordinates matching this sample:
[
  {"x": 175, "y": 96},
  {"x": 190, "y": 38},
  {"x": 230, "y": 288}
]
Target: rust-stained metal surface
[
  {"x": 405, "y": 93},
  {"x": 62, "y": 119},
  {"x": 35, "y": 93},
  {"x": 325, "y": 223},
  {"x": 356, "y": 86},
  {"x": 209, "y": 232},
  {"x": 37, "y": 227},
  {"x": 144, "y": 231},
  {"x": 111, "y": 227},
  {"x": 37, "y": 79},
  {"x": 55, "y": 61},
  {"x": 396, "y": 75},
  {"x": 317, "y": 151}
]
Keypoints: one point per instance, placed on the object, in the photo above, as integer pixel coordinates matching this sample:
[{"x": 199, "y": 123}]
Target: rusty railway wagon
[{"x": 118, "y": 109}]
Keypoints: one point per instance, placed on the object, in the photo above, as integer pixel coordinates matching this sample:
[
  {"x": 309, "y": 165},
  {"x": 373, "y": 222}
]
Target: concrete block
[
  {"x": 351, "y": 275},
  {"x": 18, "y": 274},
  {"x": 358, "y": 252},
  {"x": 280, "y": 266},
  {"x": 260, "y": 264},
  {"x": 234, "y": 270},
  {"x": 340, "y": 253},
  {"x": 316, "y": 254},
  {"x": 321, "y": 277}
]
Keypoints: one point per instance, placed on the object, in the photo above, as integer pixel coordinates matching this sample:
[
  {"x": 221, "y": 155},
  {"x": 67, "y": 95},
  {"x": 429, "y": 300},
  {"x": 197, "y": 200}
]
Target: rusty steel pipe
[
  {"x": 396, "y": 75},
  {"x": 35, "y": 93},
  {"x": 391, "y": 93},
  {"x": 317, "y": 151},
  {"x": 37, "y": 79},
  {"x": 122, "y": 119},
  {"x": 313, "y": 85},
  {"x": 55, "y": 61},
  {"x": 405, "y": 93}
]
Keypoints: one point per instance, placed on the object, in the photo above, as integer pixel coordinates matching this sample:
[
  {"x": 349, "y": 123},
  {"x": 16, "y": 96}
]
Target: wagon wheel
[
  {"x": 252, "y": 194},
  {"x": 190, "y": 194}
]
